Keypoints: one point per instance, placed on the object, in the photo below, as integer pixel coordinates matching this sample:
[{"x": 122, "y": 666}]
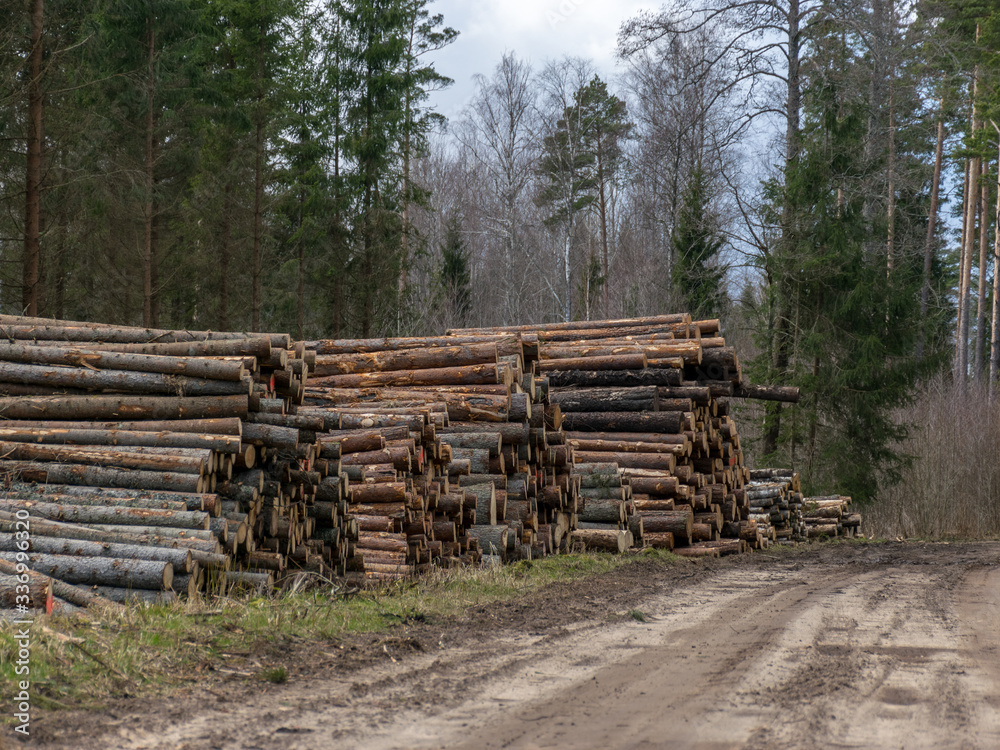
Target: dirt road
[{"x": 843, "y": 646}]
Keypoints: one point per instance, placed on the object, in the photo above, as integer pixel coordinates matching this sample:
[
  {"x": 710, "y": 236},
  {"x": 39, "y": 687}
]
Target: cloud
[{"x": 537, "y": 30}]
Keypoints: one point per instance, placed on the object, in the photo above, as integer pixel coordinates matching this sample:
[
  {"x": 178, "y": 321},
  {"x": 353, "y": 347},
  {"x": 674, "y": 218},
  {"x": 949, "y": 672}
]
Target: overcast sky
[{"x": 536, "y": 30}]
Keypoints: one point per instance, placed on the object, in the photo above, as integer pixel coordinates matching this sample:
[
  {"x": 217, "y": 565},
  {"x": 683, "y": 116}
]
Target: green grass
[{"x": 79, "y": 661}]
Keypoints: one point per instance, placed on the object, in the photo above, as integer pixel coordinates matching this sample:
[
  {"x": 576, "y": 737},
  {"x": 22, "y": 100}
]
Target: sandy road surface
[{"x": 876, "y": 646}]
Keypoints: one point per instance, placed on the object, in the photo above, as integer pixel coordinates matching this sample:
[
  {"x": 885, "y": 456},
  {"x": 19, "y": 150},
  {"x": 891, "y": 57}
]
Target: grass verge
[{"x": 80, "y": 661}]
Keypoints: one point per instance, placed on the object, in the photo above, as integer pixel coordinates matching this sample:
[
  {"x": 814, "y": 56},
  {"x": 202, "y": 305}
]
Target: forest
[{"x": 819, "y": 174}]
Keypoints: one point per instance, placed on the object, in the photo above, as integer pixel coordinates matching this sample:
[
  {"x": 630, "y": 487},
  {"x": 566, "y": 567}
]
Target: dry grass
[
  {"x": 952, "y": 490},
  {"x": 82, "y": 660}
]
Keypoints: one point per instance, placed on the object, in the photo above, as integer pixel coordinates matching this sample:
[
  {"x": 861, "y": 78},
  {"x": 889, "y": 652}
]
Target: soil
[{"x": 891, "y": 645}]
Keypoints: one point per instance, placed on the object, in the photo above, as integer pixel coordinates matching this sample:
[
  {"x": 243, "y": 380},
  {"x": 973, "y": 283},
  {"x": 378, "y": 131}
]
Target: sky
[{"x": 536, "y": 30}]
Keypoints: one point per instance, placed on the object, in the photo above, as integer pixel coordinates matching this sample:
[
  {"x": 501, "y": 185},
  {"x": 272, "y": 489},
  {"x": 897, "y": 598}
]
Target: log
[
  {"x": 659, "y": 461},
  {"x": 680, "y": 523},
  {"x": 102, "y": 476},
  {"x": 221, "y": 426},
  {"x": 468, "y": 375},
  {"x": 124, "y": 381},
  {"x": 632, "y": 361},
  {"x": 505, "y": 343},
  {"x": 102, "y": 514},
  {"x": 599, "y": 510},
  {"x": 106, "y": 456},
  {"x": 607, "y": 399},
  {"x": 179, "y": 558},
  {"x": 613, "y": 378},
  {"x": 98, "y": 437},
  {"x": 124, "y": 407},
  {"x": 668, "y": 421},
  {"x": 63, "y": 590},
  {"x": 406, "y": 359},
  {"x": 611, "y": 540},
  {"x": 486, "y": 502},
  {"x": 658, "y": 539},
  {"x": 492, "y": 537},
  {"x": 44, "y": 329},
  {"x": 34, "y": 592},
  {"x": 196, "y": 367},
  {"x": 100, "y": 571},
  {"x": 787, "y": 394}
]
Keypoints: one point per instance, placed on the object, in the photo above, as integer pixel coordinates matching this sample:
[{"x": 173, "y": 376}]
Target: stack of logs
[
  {"x": 784, "y": 515},
  {"x": 156, "y": 461},
  {"x": 147, "y": 462}
]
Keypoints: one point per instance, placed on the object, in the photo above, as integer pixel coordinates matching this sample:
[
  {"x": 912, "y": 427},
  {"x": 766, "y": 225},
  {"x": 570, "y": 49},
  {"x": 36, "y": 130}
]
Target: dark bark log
[
  {"x": 614, "y": 378},
  {"x": 467, "y": 375},
  {"x": 787, "y": 394},
  {"x": 666, "y": 421},
  {"x": 632, "y": 361}
]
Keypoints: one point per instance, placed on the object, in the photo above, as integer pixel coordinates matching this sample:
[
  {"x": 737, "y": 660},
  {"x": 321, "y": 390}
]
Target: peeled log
[
  {"x": 625, "y": 446},
  {"x": 100, "y": 571}
]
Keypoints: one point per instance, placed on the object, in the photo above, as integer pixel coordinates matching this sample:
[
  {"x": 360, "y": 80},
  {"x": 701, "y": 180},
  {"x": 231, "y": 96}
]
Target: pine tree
[
  {"x": 455, "y": 277},
  {"x": 698, "y": 271}
]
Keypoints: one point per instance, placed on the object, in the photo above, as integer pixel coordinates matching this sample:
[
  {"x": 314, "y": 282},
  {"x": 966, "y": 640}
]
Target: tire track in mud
[{"x": 894, "y": 646}]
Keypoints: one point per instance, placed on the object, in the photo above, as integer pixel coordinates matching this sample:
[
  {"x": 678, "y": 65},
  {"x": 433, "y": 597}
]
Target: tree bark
[
  {"x": 100, "y": 571},
  {"x": 925, "y": 289},
  {"x": 33, "y": 171}
]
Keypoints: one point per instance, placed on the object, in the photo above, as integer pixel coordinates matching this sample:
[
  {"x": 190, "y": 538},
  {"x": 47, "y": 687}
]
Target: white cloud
[{"x": 537, "y": 30}]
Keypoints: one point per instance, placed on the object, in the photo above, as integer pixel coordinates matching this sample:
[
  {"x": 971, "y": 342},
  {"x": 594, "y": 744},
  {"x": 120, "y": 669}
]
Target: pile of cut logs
[
  {"x": 147, "y": 462},
  {"x": 150, "y": 462}
]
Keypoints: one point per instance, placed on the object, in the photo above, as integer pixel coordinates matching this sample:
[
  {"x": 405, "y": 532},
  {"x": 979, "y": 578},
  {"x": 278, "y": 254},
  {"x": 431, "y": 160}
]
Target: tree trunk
[
  {"x": 995, "y": 327},
  {"x": 33, "y": 172},
  {"x": 984, "y": 222},
  {"x": 925, "y": 289},
  {"x": 148, "y": 249}
]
